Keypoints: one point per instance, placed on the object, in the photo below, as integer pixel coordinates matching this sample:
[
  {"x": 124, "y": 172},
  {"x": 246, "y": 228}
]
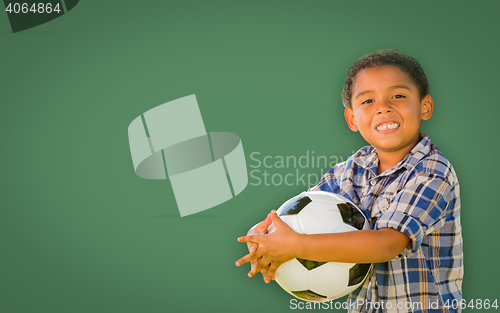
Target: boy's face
[{"x": 387, "y": 109}]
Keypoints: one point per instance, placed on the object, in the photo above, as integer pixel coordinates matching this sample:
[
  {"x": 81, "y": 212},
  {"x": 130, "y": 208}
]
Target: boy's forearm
[{"x": 364, "y": 246}]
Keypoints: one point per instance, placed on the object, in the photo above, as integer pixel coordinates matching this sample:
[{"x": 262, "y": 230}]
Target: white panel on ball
[
  {"x": 325, "y": 196},
  {"x": 290, "y": 220},
  {"x": 319, "y": 218},
  {"x": 293, "y": 275},
  {"x": 328, "y": 279},
  {"x": 345, "y": 265},
  {"x": 345, "y": 228},
  {"x": 322, "y": 196}
]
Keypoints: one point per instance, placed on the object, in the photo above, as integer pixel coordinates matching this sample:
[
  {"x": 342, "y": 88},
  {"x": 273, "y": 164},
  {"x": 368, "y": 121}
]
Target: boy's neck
[{"x": 389, "y": 159}]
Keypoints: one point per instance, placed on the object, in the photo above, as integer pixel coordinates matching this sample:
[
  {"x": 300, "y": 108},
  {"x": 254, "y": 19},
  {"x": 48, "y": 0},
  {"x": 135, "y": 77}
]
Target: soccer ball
[{"x": 317, "y": 212}]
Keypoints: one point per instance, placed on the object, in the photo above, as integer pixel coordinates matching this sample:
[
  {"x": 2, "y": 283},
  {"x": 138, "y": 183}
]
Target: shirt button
[{"x": 372, "y": 182}]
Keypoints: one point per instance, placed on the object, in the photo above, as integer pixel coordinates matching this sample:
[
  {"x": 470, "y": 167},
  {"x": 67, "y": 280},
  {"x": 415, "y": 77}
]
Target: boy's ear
[
  {"x": 427, "y": 107},
  {"x": 349, "y": 117}
]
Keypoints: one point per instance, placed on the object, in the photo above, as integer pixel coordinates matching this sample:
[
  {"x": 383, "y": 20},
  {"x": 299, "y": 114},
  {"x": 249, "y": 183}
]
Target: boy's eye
[
  {"x": 367, "y": 101},
  {"x": 399, "y": 96}
]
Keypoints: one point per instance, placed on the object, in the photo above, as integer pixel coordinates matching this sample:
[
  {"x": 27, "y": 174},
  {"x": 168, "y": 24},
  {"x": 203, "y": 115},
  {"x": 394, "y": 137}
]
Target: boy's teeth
[{"x": 386, "y": 126}]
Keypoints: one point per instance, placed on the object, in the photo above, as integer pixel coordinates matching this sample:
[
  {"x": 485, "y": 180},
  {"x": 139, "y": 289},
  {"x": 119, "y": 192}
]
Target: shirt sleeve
[
  {"x": 418, "y": 209},
  {"x": 330, "y": 180}
]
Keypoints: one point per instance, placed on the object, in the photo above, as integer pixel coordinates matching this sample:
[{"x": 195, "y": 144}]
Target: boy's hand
[
  {"x": 259, "y": 229},
  {"x": 273, "y": 249}
]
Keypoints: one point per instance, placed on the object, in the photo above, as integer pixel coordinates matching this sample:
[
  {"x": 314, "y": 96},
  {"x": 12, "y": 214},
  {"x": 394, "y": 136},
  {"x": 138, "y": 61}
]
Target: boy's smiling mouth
[{"x": 387, "y": 126}]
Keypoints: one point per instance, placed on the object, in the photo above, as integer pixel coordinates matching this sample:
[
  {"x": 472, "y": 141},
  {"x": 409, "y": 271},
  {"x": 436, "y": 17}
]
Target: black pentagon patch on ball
[
  {"x": 294, "y": 206},
  {"x": 351, "y": 215},
  {"x": 310, "y": 264},
  {"x": 357, "y": 273},
  {"x": 308, "y": 295}
]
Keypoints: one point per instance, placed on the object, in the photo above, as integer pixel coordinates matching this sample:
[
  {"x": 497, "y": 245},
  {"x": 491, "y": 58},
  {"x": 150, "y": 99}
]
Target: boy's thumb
[{"x": 276, "y": 219}]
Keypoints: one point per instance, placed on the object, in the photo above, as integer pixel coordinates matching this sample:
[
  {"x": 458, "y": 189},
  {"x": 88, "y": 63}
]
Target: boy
[{"x": 402, "y": 182}]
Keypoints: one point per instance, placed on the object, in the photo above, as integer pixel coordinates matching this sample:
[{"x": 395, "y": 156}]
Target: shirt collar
[{"x": 367, "y": 157}]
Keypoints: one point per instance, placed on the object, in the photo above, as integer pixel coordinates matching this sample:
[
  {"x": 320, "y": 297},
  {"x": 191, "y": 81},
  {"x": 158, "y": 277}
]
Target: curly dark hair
[{"x": 407, "y": 64}]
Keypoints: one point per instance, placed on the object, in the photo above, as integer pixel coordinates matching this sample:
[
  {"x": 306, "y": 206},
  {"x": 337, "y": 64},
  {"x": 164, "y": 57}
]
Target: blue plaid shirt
[{"x": 419, "y": 197}]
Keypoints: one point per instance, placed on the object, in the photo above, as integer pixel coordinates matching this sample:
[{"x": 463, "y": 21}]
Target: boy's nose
[
  {"x": 384, "y": 110},
  {"x": 383, "y": 107}
]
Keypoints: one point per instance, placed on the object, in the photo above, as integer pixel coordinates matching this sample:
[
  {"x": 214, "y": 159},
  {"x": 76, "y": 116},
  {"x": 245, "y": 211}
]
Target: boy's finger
[
  {"x": 263, "y": 263},
  {"x": 245, "y": 259},
  {"x": 253, "y": 264},
  {"x": 253, "y": 248},
  {"x": 264, "y": 272},
  {"x": 271, "y": 271},
  {"x": 265, "y": 269},
  {"x": 277, "y": 221},
  {"x": 259, "y": 225},
  {"x": 249, "y": 257},
  {"x": 251, "y": 238},
  {"x": 263, "y": 226},
  {"x": 267, "y": 222},
  {"x": 261, "y": 229}
]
